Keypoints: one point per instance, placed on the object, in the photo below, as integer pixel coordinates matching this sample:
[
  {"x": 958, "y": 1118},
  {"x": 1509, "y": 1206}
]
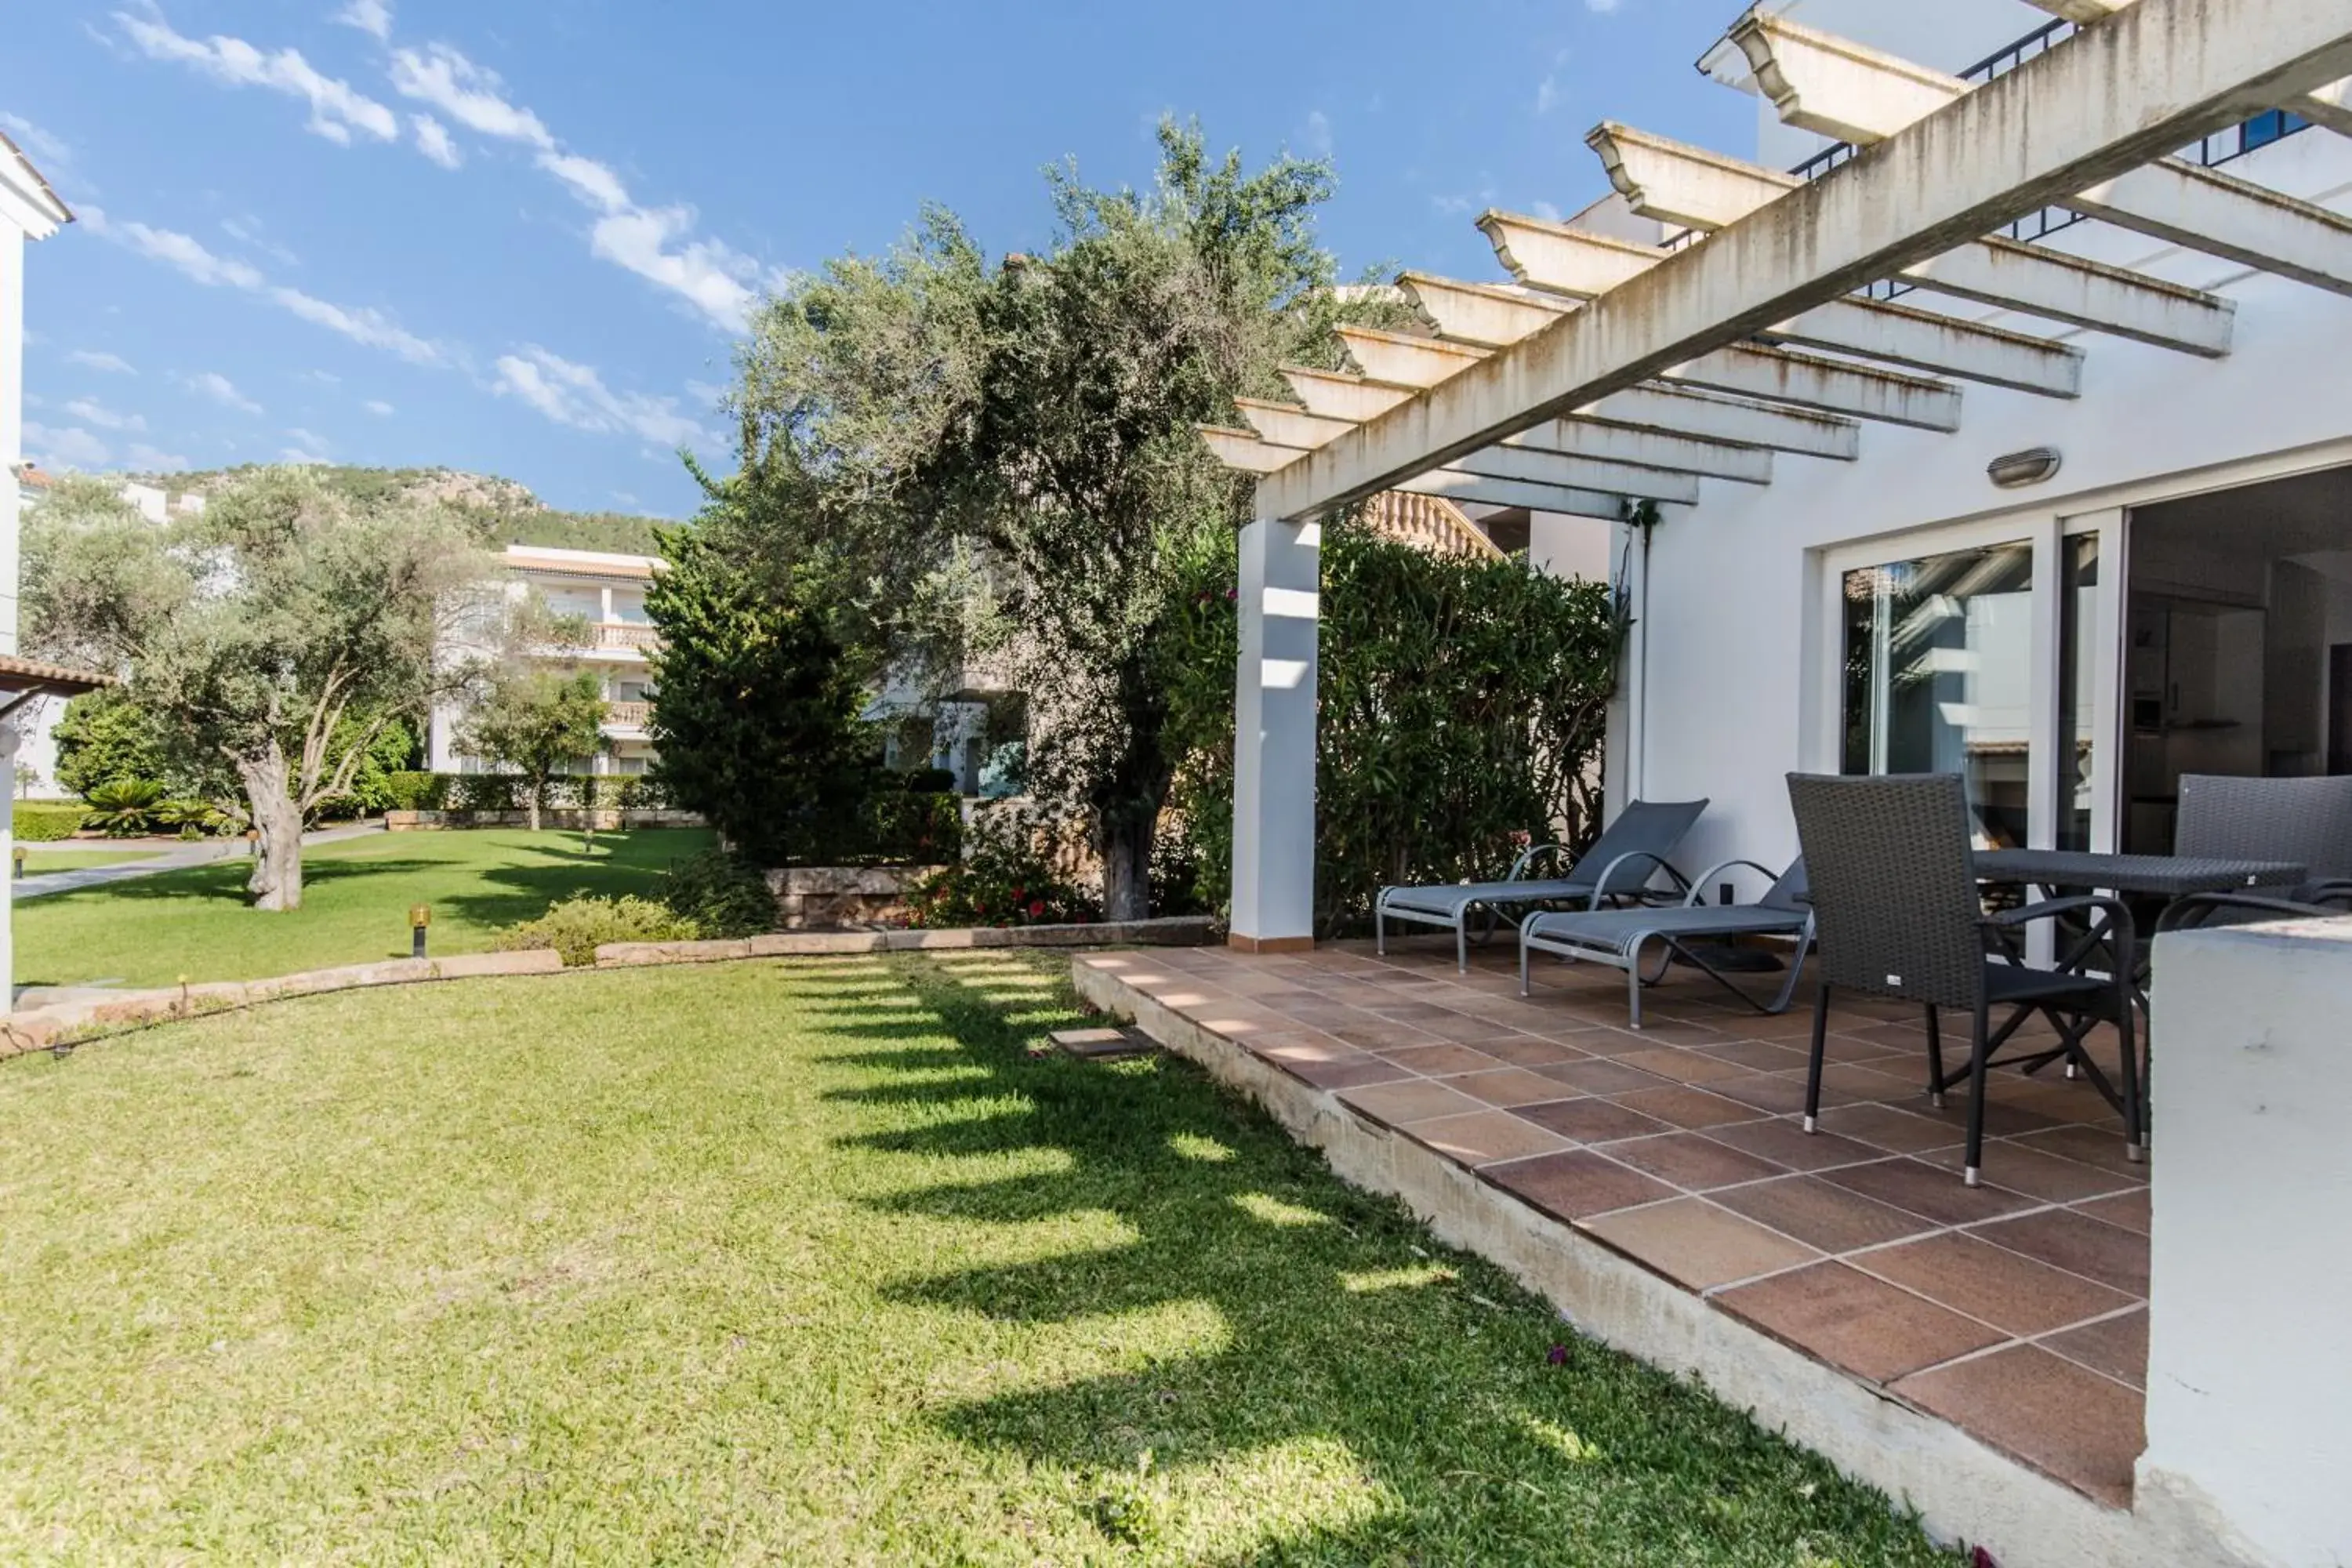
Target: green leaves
[{"x": 1462, "y": 708}]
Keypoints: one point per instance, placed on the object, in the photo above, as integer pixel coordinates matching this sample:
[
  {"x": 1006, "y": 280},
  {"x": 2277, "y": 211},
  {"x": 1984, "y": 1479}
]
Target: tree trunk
[
  {"x": 1125, "y": 845},
  {"x": 277, "y": 880},
  {"x": 530, "y": 803}
]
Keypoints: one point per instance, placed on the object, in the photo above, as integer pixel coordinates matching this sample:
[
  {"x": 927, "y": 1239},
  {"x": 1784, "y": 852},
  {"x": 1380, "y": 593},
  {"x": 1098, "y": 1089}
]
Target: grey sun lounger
[
  {"x": 1620, "y": 864},
  {"x": 1616, "y": 937}
]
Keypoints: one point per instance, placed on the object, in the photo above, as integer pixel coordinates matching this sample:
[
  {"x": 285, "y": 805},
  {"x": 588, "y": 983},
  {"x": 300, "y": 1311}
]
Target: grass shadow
[{"x": 1487, "y": 1430}]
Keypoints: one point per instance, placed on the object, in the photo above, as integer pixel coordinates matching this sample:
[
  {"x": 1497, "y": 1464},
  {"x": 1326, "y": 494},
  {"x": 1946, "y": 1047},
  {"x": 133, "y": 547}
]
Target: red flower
[{"x": 1036, "y": 908}]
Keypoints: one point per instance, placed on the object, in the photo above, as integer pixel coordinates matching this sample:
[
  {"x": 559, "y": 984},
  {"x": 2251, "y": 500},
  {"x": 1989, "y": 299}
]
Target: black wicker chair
[
  {"x": 2308, "y": 820},
  {"x": 1897, "y": 913}
]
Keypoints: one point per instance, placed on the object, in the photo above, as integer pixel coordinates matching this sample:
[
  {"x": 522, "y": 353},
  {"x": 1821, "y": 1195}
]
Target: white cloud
[
  {"x": 652, "y": 242},
  {"x": 1318, "y": 134},
  {"x": 221, "y": 389},
  {"x": 336, "y": 108},
  {"x": 72, "y": 447},
  {"x": 154, "y": 460},
  {"x": 379, "y": 407},
  {"x": 174, "y": 249},
  {"x": 44, "y": 147},
  {"x": 307, "y": 447},
  {"x": 91, "y": 411},
  {"x": 1546, "y": 211},
  {"x": 433, "y": 140},
  {"x": 574, "y": 394},
  {"x": 1549, "y": 92},
  {"x": 359, "y": 324},
  {"x": 249, "y": 231},
  {"x": 373, "y": 17},
  {"x": 713, "y": 278},
  {"x": 93, "y": 359},
  {"x": 591, "y": 181},
  {"x": 469, "y": 94}
]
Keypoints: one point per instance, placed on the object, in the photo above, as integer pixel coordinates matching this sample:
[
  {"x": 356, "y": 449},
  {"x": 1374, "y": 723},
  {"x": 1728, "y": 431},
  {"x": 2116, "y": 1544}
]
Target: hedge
[
  {"x": 46, "y": 821},
  {"x": 1462, "y": 705},
  {"x": 503, "y": 792}
]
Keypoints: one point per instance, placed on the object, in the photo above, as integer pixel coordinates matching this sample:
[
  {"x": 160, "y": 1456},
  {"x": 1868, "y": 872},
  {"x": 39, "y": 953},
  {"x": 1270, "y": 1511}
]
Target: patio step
[{"x": 1102, "y": 1045}]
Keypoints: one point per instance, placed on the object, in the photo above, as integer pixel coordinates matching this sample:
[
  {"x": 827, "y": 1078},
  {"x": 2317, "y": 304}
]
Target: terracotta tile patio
[{"x": 2016, "y": 1310}]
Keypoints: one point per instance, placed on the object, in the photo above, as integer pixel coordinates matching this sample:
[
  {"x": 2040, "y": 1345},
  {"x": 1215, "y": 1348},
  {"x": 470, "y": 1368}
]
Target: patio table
[{"x": 2165, "y": 876}]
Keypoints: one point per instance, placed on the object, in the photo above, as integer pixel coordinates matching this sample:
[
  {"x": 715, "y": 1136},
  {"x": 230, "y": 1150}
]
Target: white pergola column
[{"x": 1273, "y": 737}]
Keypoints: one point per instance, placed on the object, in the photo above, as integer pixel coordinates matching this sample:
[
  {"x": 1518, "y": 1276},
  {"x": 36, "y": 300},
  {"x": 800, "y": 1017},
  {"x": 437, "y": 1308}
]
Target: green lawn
[
  {"x": 150, "y": 930},
  {"x": 788, "y": 1262},
  {"x": 40, "y": 860}
]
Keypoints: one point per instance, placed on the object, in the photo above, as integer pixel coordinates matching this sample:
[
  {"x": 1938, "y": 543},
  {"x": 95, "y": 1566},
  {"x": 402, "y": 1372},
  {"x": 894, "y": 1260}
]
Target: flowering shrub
[
  {"x": 579, "y": 925},
  {"x": 1004, "y": 879}
]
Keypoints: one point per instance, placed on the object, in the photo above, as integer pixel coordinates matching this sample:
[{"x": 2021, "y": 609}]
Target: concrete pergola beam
[
  {"x": 1250, "y": 453},
  {"x": 1569, "y": 261},
  {"x": 1821, "y": 82},
  {"x": 1546, "y": 461},
  {"x": 2330, "y": 105},
  {"x": 1736, "y": 421},
  {"x": 1341, "y": 396},
  {"x": 2159, "y": 76},
  {"x": 1650, "y": 447},
  {"x": 1700, "y": 189}
]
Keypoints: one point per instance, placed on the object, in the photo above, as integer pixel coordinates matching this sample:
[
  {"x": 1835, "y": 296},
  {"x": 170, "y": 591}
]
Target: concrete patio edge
[{"x": 1961, "y": 1488}]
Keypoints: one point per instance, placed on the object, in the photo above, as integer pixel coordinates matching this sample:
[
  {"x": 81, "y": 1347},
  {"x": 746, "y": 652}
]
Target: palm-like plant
[{"x": 123, "y": 808}]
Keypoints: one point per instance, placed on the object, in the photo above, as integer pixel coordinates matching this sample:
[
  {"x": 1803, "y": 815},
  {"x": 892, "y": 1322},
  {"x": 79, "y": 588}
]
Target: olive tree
[
  {"x": 255, "y": 628},
  {"x": 1001, "y": 458},
  {"x": 535, "y": 720}
]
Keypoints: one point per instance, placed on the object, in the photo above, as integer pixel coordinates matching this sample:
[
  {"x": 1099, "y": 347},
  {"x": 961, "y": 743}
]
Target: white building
[
  {"x": 29, "y": 210},
  {"x": 1994, "y": 403},
  {"x": 607, "y": 591}
]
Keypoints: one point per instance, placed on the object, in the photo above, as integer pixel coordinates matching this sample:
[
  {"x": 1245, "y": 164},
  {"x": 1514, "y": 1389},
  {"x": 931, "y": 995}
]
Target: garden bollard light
[
  {"x": 19, "y": 857},
  {"x": 419, "y": 917}
]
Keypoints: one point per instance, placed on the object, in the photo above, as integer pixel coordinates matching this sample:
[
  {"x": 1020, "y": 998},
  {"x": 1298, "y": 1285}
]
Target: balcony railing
[
  {"x": 622, "y": 634},
  {"x": 627, "y": 715}
]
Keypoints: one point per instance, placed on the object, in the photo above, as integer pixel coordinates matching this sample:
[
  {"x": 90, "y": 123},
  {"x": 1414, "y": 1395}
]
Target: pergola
[{"x": 1604, "y": 371}]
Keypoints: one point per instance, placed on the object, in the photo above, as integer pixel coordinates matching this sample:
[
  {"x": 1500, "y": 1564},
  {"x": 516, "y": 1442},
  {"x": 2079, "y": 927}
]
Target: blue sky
[{"x": 520, "y": 238}]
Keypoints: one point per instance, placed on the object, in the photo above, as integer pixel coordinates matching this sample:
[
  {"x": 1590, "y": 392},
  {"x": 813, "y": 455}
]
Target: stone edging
[
  {"x": 72, "y": 1022},
  {"x": 1178, "y": 930}
]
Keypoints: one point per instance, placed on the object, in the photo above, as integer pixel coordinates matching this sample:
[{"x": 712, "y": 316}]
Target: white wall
[
  {"x": 1733, "y": 595},
  {"x": 2248, "y": 1363}
]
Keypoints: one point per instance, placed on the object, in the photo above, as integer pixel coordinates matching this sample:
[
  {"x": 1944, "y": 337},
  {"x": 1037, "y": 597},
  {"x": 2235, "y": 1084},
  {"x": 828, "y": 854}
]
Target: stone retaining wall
[
  {"x": 832, "y": 897},
  {"x": 1179, "y": 931}
]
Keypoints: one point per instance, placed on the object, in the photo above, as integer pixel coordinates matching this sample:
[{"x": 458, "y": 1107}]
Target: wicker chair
[
  {"x": 1897, "y": 913},
  {"x": 2308, "y": 820}
]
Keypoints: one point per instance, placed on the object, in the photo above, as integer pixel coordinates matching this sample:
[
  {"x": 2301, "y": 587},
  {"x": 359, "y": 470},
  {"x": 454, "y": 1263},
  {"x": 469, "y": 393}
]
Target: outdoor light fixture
[
  {"x": 419, "y": 917},
  {"x": 2014, "y": 471}
]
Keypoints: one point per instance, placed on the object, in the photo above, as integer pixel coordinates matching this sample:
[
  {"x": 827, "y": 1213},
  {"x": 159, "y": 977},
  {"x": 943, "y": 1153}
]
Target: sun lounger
[
  {"x": 1617, "y": 937},
  {"x": 1619, "y": 865}
]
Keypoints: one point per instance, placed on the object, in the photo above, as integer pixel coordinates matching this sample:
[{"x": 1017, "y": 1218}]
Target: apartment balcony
[
  {"x": 623, "y": 636},
  {"x": 627, "y": 718}
]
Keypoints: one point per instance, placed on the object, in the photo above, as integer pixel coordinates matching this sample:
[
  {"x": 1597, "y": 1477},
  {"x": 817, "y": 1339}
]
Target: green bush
[
  {"x": 483, "y": 792},
  {"x": 46, "y": 821},
  {"x": 578, "y": 926},
  {"x": 722, "y": 894},
  {"x": 1463, "y": 705},
  {"x": 103, "y": 737},
  {"x": 1006, "y": 879},
  {"x": 411, "y": 791},
  {"x": 125, "y": 808}
]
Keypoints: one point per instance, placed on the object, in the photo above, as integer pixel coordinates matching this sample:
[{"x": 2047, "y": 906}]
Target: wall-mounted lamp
[{"x": 2014, "y": 471}]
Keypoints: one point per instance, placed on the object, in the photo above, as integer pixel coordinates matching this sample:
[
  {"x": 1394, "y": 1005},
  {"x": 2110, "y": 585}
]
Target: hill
[{"x": 510, "y": 513}]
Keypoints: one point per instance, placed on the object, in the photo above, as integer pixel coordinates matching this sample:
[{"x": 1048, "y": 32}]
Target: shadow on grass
[{"x": 1342, "y": 1321}]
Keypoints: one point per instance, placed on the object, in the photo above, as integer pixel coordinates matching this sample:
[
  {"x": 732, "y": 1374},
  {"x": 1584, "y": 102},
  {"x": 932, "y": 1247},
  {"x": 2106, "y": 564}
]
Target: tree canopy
[
  {"x": 254, "y": 628},
  {"x": 1000, "y": 458},
  {"x": 535, "y": 720}
]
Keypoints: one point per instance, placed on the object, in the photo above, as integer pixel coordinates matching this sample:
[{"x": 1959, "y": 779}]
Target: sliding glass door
[{"x": 1938, "y": 670}]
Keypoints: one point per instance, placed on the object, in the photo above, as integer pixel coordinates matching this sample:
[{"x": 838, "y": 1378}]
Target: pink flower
[{"x": 1036, "y": 908}]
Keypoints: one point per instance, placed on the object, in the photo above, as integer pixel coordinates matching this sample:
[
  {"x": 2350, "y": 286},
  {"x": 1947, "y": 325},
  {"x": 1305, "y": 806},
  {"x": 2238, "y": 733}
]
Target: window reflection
[{"x": 1938, "y": 658}]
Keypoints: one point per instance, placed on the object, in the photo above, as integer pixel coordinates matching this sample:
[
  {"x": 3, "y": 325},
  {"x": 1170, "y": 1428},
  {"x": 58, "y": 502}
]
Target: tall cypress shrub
[{"x": 755, "y": 708}]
